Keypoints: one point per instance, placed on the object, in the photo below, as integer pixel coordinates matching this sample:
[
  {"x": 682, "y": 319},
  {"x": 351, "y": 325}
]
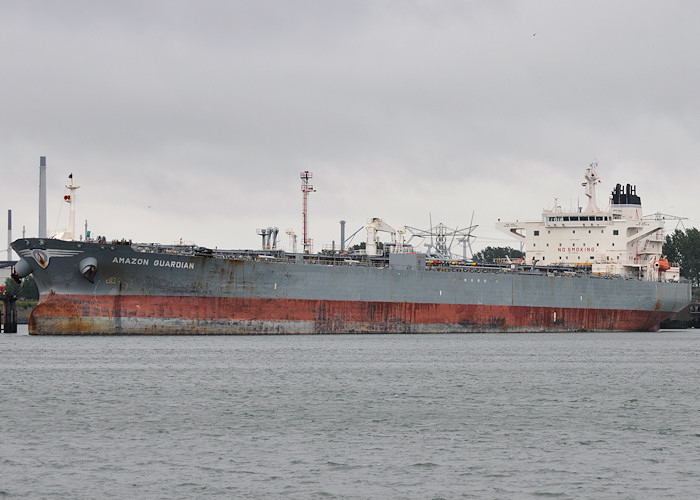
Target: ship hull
[{"x": 133, "y": 292}]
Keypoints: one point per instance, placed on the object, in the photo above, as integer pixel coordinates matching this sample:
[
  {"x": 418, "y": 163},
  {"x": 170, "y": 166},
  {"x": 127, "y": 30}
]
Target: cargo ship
[{"x": 584, "y": 270}]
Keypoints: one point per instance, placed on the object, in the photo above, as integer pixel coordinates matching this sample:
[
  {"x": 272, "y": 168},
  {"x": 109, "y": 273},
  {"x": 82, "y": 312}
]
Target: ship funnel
[
  {"x": 88, "y": 268},
  {"x": 22, "y": 270}
]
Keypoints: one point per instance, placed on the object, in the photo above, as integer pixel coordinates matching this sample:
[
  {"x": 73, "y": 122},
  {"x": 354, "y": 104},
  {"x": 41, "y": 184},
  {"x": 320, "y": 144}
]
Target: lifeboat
[{"x": 662, "y": 265}]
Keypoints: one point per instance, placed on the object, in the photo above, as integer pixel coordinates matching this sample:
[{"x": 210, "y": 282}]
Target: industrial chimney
[
  {"x": 42, "y": 197},
  {"x": 342, "y": 235},
  {"x": 9, "y": 234}
]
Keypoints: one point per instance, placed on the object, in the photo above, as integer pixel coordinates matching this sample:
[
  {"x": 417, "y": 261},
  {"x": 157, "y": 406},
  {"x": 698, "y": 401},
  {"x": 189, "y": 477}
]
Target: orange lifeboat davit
[{"x": 662, "y": 264}]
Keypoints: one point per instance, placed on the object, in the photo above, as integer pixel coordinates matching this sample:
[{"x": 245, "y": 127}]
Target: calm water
[{"x": 613, "y": 415}]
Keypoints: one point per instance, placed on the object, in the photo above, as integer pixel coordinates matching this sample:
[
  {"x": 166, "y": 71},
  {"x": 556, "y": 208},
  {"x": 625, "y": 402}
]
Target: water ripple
[{"x": 436, "y": 416}]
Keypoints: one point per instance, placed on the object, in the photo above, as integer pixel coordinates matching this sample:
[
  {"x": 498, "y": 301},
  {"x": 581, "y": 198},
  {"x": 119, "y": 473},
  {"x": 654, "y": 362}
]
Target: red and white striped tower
[{"x": 306, "y": 188}]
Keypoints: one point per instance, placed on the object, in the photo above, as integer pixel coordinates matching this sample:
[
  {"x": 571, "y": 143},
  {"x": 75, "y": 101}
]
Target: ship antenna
[{"x": 306, "y": 188}]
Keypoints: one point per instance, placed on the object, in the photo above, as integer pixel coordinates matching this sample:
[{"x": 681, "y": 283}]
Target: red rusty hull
[{"x": 145, "y": 314}]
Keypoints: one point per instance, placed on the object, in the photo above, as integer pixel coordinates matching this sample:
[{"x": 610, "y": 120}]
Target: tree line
[
  {"x": 683, "y": 248},
  {"x": 492, "y": 254},
  {"x": 26, "y": 291}
]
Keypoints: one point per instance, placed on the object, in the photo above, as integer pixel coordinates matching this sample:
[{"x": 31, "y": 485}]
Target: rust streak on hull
[{"x": 142, "y": 314}]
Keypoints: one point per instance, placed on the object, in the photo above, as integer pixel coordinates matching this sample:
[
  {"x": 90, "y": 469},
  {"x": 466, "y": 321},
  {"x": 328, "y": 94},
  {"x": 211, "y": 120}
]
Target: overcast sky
[{"x": 193, "y": 119}]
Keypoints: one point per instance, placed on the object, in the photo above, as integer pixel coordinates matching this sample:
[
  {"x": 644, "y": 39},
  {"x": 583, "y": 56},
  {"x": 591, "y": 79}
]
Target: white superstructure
[{"x": 615, "y": 241}]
